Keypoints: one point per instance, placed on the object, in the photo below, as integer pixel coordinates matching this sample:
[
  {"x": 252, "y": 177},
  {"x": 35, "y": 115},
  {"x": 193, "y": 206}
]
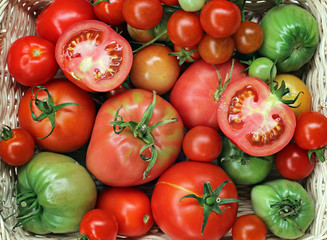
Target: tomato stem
[
  {"x": 150, "y": 42},
  {"x": 6, "y": 133}
]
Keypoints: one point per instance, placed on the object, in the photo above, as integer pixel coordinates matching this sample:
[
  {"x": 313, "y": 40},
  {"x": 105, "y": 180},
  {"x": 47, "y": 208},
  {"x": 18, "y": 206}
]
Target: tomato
[
  {"x": 248, "y": 38},
  {"x": 130, "y": 206},
  {"x": 216, "y": 50},
  {"x": 170, "y": 2},
  {"x": 184, "y": 28},
  {"x": 59, "y": 115},
  {"x": 202, "y": 143},
  {"x": 27, "y": 55},
  {"x": 220, "y": 19},
  {"x": 110, "y": 12},
  {"x": 154, "y": 69},
  {"x": 197, "y": 91},
  {"x": 191, "y": 5},
  {"x": 147, "y": 143},
  {"x": 185, "y": 207},
  {"x": 261, "y": 68},
  {"x": 254, "y": 118},
  {"x": 296, "y": 86},
  {"x": 142, "y": 14},
  {"x": 292, "y": 162},
  {"x": 98, "y": 224},
  {"x": 59, "y": 15},
  {"x": 311, "y": 130},
  {"x": 93, "y": 56},
  {"x": 248, "y": 227},
  {"x": 187, "y": 54},
  {"x": 16, "y": 146}
]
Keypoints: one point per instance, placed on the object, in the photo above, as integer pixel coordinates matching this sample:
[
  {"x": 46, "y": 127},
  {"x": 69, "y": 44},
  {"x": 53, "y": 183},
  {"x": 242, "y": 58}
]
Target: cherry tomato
[
  {"x": 142, "y": 14},
  {"x": 27, "y": 55},
  {"x": 93, "y": 56},
  {"x": 184, "y": 28},
  {"x": 59, "y": 15},
  {"x": 130, "y": 206},
  {"x": 154, "y": 69},
  {"x": 292, "y": 162},
  {"x": 202, "y": 143},
  {"x": 216, "y": 50},
  {"x": 191, "y": 5},
  {"x": 220, "y": 18},
  {"x": 248, "y": 38},
  {"x": 261, "y": 68},
  {"x": 295, "y": 86},
  {"x": 311, "y": 130},
  {"x": 249, "y": 227},
  {"x": 16, "y": 146},
  {"x": 98, "y": 224},
  {"x": 109, "y": 11},
  {"x": 170, "y": 2}
]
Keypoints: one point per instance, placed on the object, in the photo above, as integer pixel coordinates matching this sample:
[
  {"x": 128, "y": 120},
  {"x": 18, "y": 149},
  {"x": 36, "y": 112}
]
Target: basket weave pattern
[{"x": 17, "y": 18}]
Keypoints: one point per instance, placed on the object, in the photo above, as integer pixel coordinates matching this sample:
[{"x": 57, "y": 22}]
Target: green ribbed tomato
[
  {"x": 290, "y": 36},
  {"x": 54, "y": 193}
]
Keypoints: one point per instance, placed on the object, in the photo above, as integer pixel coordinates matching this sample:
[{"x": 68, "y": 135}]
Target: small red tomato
[
  {"x": 110, "y": 12},
  {"x": 249, "y": 227},
  {"x": 16, "y": 146},
  {"x": 98, "y": 224},
  {"x": 202, "y": 143}
]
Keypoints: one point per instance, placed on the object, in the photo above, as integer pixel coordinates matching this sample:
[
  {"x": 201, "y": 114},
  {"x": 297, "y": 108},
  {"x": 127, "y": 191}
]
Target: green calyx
[
  {"x": 82, "y": 237},
  {"x": 6, "y": 133},
  {"x": 221, "y": 87},
  {"x": 210, "y": 201},
  {"x": 319, "y": 153},
  {"x": 183, "y": 55},
  {"x": 47, "y": 107},
  {"x": 99, "y": 1},
  {"x": 142, "y": 130}
]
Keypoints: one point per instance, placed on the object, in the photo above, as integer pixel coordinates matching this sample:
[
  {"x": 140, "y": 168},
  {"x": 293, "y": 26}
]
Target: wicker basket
[{"x": 17, "y": 19}]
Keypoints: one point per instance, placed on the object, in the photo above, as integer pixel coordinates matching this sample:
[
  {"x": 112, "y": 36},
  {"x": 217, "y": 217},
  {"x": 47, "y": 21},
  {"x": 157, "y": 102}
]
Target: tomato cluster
[{"x": 182, "y": 96}]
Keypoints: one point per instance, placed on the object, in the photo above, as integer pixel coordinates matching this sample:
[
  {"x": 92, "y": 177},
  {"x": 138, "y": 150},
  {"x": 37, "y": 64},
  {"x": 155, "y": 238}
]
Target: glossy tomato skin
[
  {"x": 196, "y": 92},
  {"x": 73, "y": 124},
  {"x": 311, "y": 130},
  {"x": 27, "y": 55},
  {"x": 292, "y": 162},
  {"x": 98, "y": 224},
  {"x": 254, "y": 119},
  {"x": 110, "y": 12},
  {"x": 59, "y": 15},
  {"x": 18, "y": 149},
  {"x": 154, "y": 69},
  {"x": 93, "y": 56},
  {"x": 185, "y": 178},
  {"x": 130, "y": 206},
  {"x": 108, "y": 163},
  {"x": 248, "y": 227}
]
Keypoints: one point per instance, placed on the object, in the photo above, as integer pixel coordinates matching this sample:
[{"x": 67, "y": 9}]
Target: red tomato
[
  {"x": 110, "y": 12},
  {"x": 16, "y": 146},
  {"x": 98, "y": 224},
  {"x": 202, "y": 143},
  {"x": 125, "y": 159},
  {"x": 142, "y": 14},
  {"x": 27, "y": 55},
  {"x": 248, "y": 38},
  {"x": 197, "y": 91},
  {"x": 131, "y": 207},
  {"x": 216, "y": 50},
  {"x": 93, "y": 56},
  {"x": 311, "y": 130},
  {"x": 249, "y": 227},
  {"x": 293, "y": 162},
  {"x": 182, "y": 219},
  {"x": 59, "y": 15},
  {"x": 72, "y": 124},
  {"x": 254, "y": 119},
  {"x": 184, "y": 28},
  {"x": 154, "y": 69},
  {"x": 220, "y": 18},
  {"x": 170, "y": 2}
]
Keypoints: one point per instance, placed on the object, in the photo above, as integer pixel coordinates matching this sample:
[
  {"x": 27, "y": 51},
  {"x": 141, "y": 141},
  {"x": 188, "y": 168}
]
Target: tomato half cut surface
[
  {"x": 93, "y": 56},
  {"x": 254, "y": 119}
]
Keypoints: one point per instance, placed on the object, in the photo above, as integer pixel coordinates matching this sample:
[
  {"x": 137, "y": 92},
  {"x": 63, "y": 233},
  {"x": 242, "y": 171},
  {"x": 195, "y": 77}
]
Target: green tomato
[
  {"x": 242, "y": 168},
  {"x": 191, "y": 5},
  {"x": 261, "y": 68},
  {"x": 54, "y": 193},
  {"x": 285, "y": 206},
  {"x": 290, "y": 36}
]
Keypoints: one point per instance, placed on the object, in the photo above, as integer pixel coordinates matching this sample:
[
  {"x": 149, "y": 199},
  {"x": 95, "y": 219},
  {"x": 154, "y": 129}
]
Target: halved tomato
[
  {"x": 93, "y": 56},
  {"x": 254, "y": 118}
]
